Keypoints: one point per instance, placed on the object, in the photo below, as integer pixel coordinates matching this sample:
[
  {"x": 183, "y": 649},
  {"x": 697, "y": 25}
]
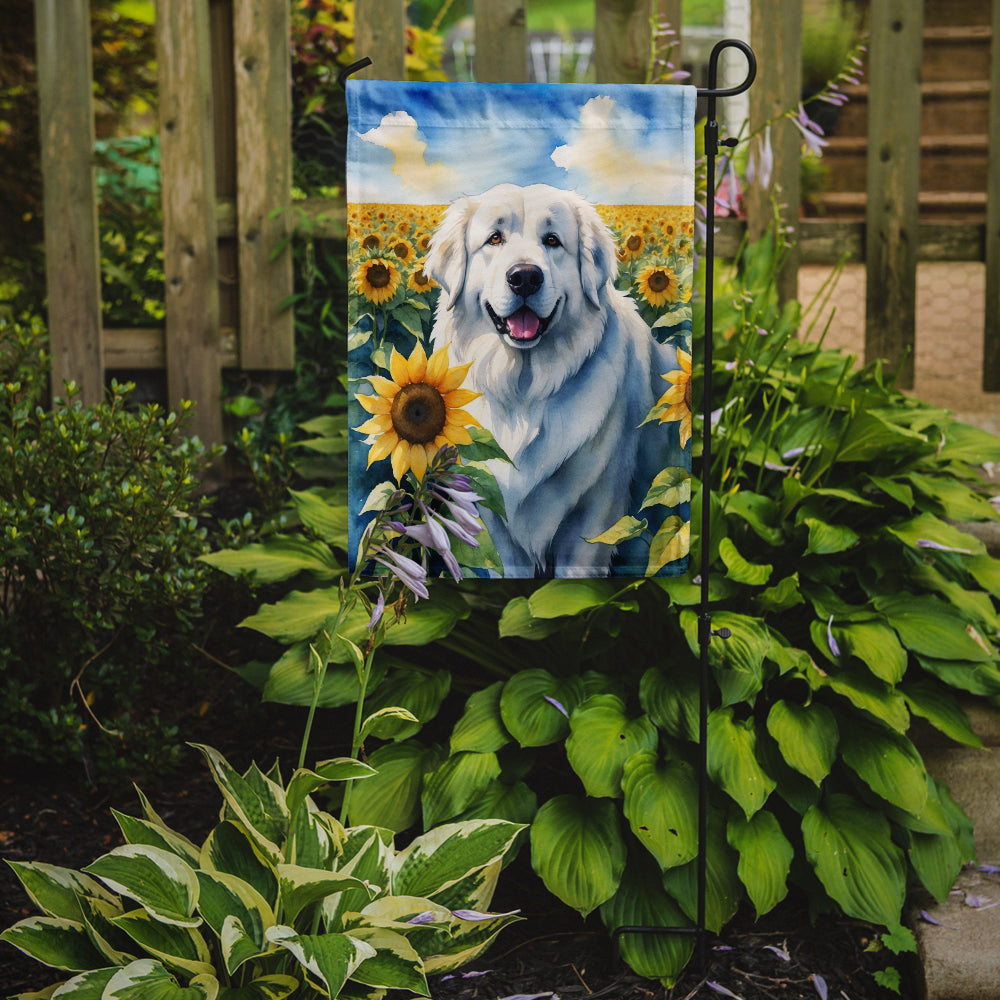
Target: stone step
[
  {"x": 956, "y": 53},
  {"x": 952, "y": 206}
]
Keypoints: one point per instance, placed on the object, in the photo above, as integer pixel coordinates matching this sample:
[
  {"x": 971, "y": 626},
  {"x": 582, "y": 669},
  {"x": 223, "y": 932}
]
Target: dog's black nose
[{"x": 524, "y": 279}]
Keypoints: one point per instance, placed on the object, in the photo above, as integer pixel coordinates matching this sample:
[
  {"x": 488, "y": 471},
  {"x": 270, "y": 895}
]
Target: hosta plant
[{"x": 279, "y": 900}]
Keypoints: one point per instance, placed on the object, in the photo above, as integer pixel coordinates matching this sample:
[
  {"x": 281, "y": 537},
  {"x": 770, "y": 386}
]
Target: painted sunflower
[
  {"x": 377, "y": 280},
  {"x": 631, "y": 247},
  {"x": 417, "y": 411},
  {"x": 401, "y": 249},
  {"x": 677, "y": 398},
  {"x": 658, "y": 285},
  {"x": 419, "y": 281},
  {"x": 373, "y": 241}
]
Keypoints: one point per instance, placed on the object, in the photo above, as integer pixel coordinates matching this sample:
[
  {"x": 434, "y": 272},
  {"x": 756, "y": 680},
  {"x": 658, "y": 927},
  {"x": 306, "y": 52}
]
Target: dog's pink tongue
[{"x": 523, "y": 324}]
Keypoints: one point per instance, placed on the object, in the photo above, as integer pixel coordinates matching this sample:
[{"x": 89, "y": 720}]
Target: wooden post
[
  {"x": 501, "y": 41},
  {"x": 991, "y": 332},
  {"x": 893, "y": 183},
  {"x": 623, "y": 37},
  {"x": 72, "y": 255},
  {"x": 776, "y": 34},
  {"x": 380, "y": 34},
  {"x": 261, "y": 40},
  {"x": 190, "y": 254}
]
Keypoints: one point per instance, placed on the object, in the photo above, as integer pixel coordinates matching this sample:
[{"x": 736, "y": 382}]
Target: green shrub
[{"x": 101, "y": 584}]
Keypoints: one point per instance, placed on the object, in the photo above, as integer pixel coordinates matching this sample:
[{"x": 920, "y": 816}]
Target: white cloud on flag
[{"x": 398, "y": 132}]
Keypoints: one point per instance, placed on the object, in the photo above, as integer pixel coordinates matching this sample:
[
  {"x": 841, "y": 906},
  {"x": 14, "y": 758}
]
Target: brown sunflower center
[
  {"x": 377, "y": 275},
  {"x": 634, "y": 242},
  {"x": 659, "y": 281},
  {"x": 371, "y": 241},
  {"x": 418, "y": 413},
  {"x": 687, "y": 393},
  {"x": 419, "y": 278}
]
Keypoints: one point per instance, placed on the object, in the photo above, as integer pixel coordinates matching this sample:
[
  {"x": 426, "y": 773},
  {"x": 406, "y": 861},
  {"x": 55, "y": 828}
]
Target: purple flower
[
  {"x": 558, "y": 705},
  {"x": 475, "y": 915},
  {"x": 431, "y": 535},
  {"x": 411, "y": 574},
  {"x": 811, "y": 132},
  {"x": 834, "y": 648},
  {"x": 927, "y": 543},
  {"x": 820, "y": 983},
  {"x": 427, "y": 917},
  {"x": 377, "y": 612},
  {"x": 761, "y": 163},
  {"x": 719, "y": 988}
]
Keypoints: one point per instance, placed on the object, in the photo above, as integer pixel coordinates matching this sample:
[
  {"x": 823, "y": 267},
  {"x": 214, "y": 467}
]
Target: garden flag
[{"x": 520, "y": 263}]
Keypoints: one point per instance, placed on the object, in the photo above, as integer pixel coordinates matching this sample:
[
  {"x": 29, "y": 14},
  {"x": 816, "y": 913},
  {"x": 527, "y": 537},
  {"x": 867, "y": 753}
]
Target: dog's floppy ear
[
  {"x": 447, "y": 259},
  {"x": 598, "y": 263}
]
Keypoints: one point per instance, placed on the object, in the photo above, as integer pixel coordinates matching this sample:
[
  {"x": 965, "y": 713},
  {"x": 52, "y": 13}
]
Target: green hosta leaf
[
  {"x": 304, "y": 782},
  {"x": 661, "y": 799},
  {"x": 180, "y": 948},
  {"x": 937, "y": 859},
  {"x": 888, "y": 763},
  {"x": 56, "y": 891},
  {"x": 391, "y": 798},
  {"x": 738, "y": 661},
  {"x": 965, "y": 443},
  {"x": 723, "y": 889},
  {"x": 327, "y": 520},
  {"x": 456, "y": 784},
  {"x": 279, "y": 558},
  {"x": 301, "y": 887},
  {"x": 225, "y": 897},
  {"x": 866, "y": 692},
  {"x": 230, "y": 849},
  {"x": 765, "y": 858},
  {"x": 54, "y": 941},
  {"x": 928, "y": 528},
  {"x": 395, "y": 964},
  {"x": 827, "y": 539},
  {"x": 578, "y": 851},
  {"x": 330, "y": 959},
  {"x": 418, "y": 690},
  {"x": 986, "y": 572},
  {"x": 932, "y": 628},
  {"x": 876, "y": 646},
  {"x": 141, "y": 831},
  {"x": 760, "y": 512},
  {"x": 732, "y": 760},
  {"x": 850, "y": 847},
  {"x": 623, "y": 530},
  {"x": 738, "y": 569},
  {"x": 366, "y": 855},
  {"x": 481, "y": 728},
  {"x": 516, "y": 803},
  {"x": 260, "y": 809},
  {"x": 670, "y": 488},
  {"x": 783, "y": 595},
  {"x": 517, "y": 620},
  {"x": 941, "y": 709},
  {"x": 98, "y": 914},
  {"x": 976, "y": 678},
  {"x": 671, "y": 700},
  {"x": 530, "y": 706},
  {"x": 292, "y": 679},
  {"x": 893, "y": 488},
  {"x": 870, "y": 436},
  {"x": 159, "y": 881},
  {"x": 602, "y": 738},
  {"x": 559, "y": 598},
  {"x": 641, "y": 901},
  {"x": 274, "y": 987},
  {"x": 387, "y": 722},
  {"x": 147, "y": 979},
  {"x": 438, "y": 859},
  {"x": 807, "y": 736},
  {"x": 957, "y": 501}
]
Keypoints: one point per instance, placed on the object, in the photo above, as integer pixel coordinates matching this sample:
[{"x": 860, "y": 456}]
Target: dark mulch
[{"x": 551, "y": 951}]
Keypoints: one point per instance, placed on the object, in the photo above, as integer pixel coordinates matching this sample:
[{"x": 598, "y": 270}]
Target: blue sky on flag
[{"x": 428, "y": 143}]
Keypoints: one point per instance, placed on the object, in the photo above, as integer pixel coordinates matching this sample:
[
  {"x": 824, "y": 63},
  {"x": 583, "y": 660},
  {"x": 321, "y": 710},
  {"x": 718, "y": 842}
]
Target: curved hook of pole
[
  {"x": 353, "y": 68},
  {"x": 713, "y": 69}
]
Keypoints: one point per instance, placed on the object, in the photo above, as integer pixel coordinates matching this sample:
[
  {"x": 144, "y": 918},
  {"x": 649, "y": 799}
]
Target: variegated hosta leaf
[
  {"x": 535, "y": 706},
  {"x": 456, "y": 784},
  {"x": 807, "y": 736},
  {"x": 850, "y": 847},
  {"x": 177, "y": 947},
  {"x": 395, "y": 964},
  {"x": 56, "y": 891},
  {"x": 86, "y": 986},
  {"x": 578, "y": 851},
  {"x": 329, "y": 959},
  {"x": 441, "y": 857},
  {"x": 230, "y": 849},
  {"x": 888, "y": 763},
  {"x": 602, "y": 737},
  {"x": 225, "y": 897},
  {"x": 141, "y": 831},
  {"x": 304, "y": 782},
  {"x": 54, "y": 941},
  {"x": 301, "y": 887},
  {"x": 158, "y": 880},
  {"x": 765, "y": 858},
  {"x": 315, "y": 838},
  {"x": 116, "y": 947},
  {"x": 732, "y": 760},
  {"x": 467, "y": 940},
  {"x": 661, "y": 800},
  {"x": 475, "y": 891},
  {"x": 481, "y": 727},
  {"x": 274, "y": 987},
  {"x": 367, "y": 853},
  {"x": 256, "y": 801},
  {"x": 642, "y": 902},
  {"x": 147, "y": 979}
]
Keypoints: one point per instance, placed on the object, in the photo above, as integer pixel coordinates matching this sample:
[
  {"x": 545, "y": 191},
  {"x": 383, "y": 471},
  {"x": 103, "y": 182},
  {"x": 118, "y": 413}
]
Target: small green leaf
[
  {"x": 670, "y": 488},
  {"x": 481, "y": 727},
  {"x": 828, "y": 539},
  {"x": 807, "y": 736},
  {"x": 330, "y": 958},
  {"x": 765, "y": 858},
  {"x": 888, "y": 763},
  {"x": 535, "y": 706},
  {"x": 732, "y": 761},
  {"x": 455, "y": 785},
  {"x": 559, "y": 598},
  {"x": 391, "y": 798},
  {"x": 623, "y": 530},
  {"x": 671, "y": 700},
  {"x": 741, "y": 571}
]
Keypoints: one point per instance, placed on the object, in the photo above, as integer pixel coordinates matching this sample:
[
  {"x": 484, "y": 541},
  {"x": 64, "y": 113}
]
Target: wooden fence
[{"x": 226, "y": 161}]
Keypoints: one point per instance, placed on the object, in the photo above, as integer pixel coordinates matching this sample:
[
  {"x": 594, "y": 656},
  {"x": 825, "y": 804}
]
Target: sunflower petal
[
  {"x": 672, "y": 395},
  {"x": 685, "y": 360},
  {"x": 418, "y": 461},
  {"x": 462, "y": 417},
  {"x": 383, "y": 386},
  {"x": 377, "y": 425},
  {"x": 437, "y": 368},
  {"x": 399, "y": 369},
  {"x": 416, "y": 365},
  {"x": 454, "y": 378},
  {"x": 456, "y": 434},
  {"x": 382, "y": 447},
  {"x": 374, "y": 404},
  {"x": 459, "y": 397},
  {"x": 400, "y": 459}
]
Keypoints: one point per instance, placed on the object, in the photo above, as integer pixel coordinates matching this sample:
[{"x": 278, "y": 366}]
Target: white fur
[{"x": 566, "y": 406}]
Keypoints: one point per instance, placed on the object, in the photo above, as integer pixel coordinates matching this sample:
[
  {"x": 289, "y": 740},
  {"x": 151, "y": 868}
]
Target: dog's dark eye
[
  {"x": 495, "y": 238},
  {"x": 551, "y": 240}
]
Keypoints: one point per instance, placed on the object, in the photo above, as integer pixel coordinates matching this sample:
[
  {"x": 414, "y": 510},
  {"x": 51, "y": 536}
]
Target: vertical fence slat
[
  {"x": 380, "y": 34},
  {"x": 622, "y": 37},
  {"x": 72, "y": 257},
  {"x": 501, "y": 41},
  {"x": 190, "y": 253},
  {"x": 991, "y": 332},
  {"x": 776, "y": 34},
  {"x": 893, "y": 183},
  {"x": 261, "y": 57}
]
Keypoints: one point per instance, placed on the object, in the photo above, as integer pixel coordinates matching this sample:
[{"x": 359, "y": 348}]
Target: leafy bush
[
  {"x": 99, "y": 540},
  {"x": 279, "y": 899},
  {"x": 854, "y": 602}
]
